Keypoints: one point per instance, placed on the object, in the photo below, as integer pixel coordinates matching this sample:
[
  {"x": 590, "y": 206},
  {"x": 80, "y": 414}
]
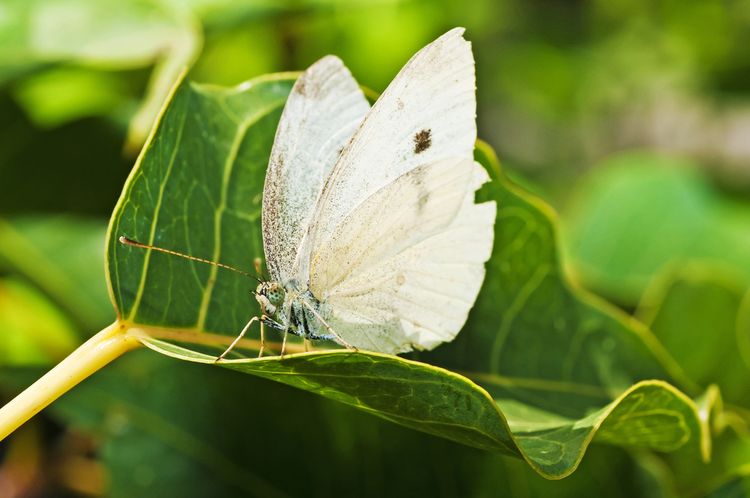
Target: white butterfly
[{"x": 370, "y": 230}]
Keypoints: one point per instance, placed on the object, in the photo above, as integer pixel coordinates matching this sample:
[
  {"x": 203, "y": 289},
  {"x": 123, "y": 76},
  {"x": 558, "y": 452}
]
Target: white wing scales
[
  {"x": 414, "y": 206},
  {"x": 432, "y": 95},
  {"x": 404, "y": 269},
  {"x": 322, "y": 112},
  {"x": 389, "y": 239}
]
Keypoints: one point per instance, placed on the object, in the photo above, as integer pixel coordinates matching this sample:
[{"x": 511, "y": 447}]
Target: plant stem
[{"x": 92, "y": 355}]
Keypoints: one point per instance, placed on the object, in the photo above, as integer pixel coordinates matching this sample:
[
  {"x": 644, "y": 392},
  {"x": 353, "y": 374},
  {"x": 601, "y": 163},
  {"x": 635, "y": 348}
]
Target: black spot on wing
[{"x": 422, "y": 141}]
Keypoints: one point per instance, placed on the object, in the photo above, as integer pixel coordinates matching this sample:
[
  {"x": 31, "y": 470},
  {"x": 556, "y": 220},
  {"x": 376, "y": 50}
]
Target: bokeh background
[{"x": 630, "y": 117}]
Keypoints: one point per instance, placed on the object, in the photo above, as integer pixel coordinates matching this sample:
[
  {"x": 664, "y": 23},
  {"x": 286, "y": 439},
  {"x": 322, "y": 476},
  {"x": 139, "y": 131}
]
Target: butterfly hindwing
[{"x": 404, "y": 268}]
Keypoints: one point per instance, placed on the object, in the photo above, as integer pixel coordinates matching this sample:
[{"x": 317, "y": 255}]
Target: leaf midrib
[
  {"x": 218, "y": 214},
  {"x": 229, "y": 164}
]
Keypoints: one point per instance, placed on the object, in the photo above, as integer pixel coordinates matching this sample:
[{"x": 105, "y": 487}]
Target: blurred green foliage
[
  {"x": 562, "y": 87},
  {"x": 697, "y": 312},
  {"x": 34, "y": 330},
  {"x": 639, "y": 212}
]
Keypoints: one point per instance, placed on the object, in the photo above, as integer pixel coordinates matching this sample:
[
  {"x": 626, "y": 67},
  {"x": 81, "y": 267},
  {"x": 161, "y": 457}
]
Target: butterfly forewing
[
  {"x": 426, "y": 114},
  {"x": 322, "y": 112},
  {"x": 388, "y": 240}
]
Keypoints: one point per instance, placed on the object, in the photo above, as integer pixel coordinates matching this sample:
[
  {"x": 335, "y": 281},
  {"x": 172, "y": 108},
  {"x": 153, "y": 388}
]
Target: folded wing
[
  {"x": 322, "y": 112},
  {"x": 427, "y": 114},
  {"x": 404, "y": 268}
]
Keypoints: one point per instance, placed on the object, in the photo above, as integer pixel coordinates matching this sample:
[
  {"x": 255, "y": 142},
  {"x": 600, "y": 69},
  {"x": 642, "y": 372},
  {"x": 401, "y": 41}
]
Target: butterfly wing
[
  {"x": 322, "y": 112},
  {"x": 426, "y": 114},
  {"x": 404, "y": 268},
  {"x": 397, "y": 246}
]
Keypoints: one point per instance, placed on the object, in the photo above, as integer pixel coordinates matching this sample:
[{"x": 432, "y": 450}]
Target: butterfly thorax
[{"x": 291, "y": 307}]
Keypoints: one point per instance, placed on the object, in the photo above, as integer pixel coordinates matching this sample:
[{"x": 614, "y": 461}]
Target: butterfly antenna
[{"x": 135, "y": 243}]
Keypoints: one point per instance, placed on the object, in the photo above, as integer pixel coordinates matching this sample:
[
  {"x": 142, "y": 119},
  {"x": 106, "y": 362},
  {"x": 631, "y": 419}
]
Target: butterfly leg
[
  {"x": 263, "y": 319},
  {"x": 283, "y": 343},
  {"x": 237, "y": 339},
  {"x": 329, "y": 328},
  {"x": 262, "y": 336}
]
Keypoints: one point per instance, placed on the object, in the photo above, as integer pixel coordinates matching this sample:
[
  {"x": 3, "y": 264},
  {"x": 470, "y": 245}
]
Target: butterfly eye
[{"x": 276, "y": 296}]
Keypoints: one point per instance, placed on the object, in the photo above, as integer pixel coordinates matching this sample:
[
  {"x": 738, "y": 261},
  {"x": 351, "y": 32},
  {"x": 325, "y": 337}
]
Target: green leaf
[
  {"x": 556, "y": 367},
  {"x": 124, "y": 33},
  {"x": 156, "y": 434},
  {"x": 737, "y": 486},
  {"x": 105, "y": 34},
  {"x": 639, "y": 212},
  {"x": 730, "y": 454},
  {"x": 34, "y": 331},
  {"x": 700, "y": 313},
  {"x": 197, "y": 189},
  {"x": 63, "y": 256},
  {"x": 56, "y": 96}
]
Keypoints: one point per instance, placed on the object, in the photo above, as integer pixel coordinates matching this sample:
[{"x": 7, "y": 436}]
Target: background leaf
[
  {"x": 697, "y": 311},
  {"x": 700, "y": 312},
  {"x": 105, "y": 34},
  {"x": 34, "y": 330},
  {"x": 62, "y": 256},
  {"x": 639, "y": 212},
  {"x": 67, "y": 179}
]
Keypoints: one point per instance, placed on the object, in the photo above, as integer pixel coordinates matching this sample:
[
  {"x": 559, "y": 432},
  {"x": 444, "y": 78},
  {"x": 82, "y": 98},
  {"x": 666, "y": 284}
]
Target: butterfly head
[{"x": 270, "y": 295}]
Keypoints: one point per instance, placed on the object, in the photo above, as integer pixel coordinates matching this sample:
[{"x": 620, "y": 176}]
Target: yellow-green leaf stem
[{"x": 101, "y": 349}]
